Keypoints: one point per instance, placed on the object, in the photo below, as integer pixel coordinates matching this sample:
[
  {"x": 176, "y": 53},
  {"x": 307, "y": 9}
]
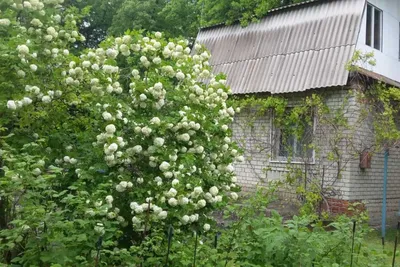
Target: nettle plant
[{"x": 104, "y": 149}]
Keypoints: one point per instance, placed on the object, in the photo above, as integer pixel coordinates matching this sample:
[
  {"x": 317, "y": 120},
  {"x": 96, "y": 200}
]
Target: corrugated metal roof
[{"x": 289, "y": 50}]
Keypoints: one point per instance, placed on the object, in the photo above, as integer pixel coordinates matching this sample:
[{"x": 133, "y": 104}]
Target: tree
[
  {"x": 244, "y": 11},
  {"x": 176, "y": 18}
]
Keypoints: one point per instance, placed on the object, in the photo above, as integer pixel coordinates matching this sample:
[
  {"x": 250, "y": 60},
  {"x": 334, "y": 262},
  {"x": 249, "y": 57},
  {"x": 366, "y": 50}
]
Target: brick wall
[{"x": 253, "y": 133}]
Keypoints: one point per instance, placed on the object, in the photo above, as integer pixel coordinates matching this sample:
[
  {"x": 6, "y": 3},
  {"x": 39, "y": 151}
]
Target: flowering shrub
[{"x": 108, "y": 146}]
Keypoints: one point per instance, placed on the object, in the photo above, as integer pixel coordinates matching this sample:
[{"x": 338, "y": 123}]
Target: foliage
[
  {"x": 379, "y": 101},
  {"x": 100, "y": 151},
  {"x": 176, "y": 18},
  {"x": 257, "y": 240},
  {"x": 251, "y": 238},
  {"x": 245, "y": 11},
  {"x": 96, "y": 23}
]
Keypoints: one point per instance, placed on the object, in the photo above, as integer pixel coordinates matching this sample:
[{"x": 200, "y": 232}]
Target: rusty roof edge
[
  {"x": 274, "y": 10},
  {"x": 376, "y": 76}
]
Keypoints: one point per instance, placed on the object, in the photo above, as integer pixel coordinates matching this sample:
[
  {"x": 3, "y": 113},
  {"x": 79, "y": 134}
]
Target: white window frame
[
  {"x": 373, "y": 8},
  {"x": 285, "y": 160}
]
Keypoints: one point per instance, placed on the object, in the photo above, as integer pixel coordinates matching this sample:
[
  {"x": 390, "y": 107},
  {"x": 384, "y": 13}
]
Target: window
[
  {"x": 293, "y": 142},
  {"x": 374, "y": 27}
]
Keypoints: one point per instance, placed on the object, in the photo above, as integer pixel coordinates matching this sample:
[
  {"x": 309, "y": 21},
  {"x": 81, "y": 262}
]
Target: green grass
[{"x": 373, "y": 242}]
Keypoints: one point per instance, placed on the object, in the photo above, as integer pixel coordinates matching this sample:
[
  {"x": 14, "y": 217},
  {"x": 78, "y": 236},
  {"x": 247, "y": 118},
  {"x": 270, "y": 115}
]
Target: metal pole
[
  {"x": 170, "y": 233},
  {"x": 395, "y": 244},
  {"x": 352, "y": 243},
  {"x": 384, "y": 198}
]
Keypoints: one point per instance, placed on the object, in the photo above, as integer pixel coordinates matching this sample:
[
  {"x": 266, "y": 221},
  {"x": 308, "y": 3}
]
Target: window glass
[
  {"x": 368, "y": 40},
  {"x": 373, "y": 36},
  {"x": 377, "y": 29},
  {"x": 293, "y": 142}
]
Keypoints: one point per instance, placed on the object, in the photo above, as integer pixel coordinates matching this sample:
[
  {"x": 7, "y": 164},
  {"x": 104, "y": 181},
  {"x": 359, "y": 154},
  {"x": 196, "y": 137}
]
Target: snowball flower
[
  {"x": 143, "y": 59},
  {"x": 120, "y": 188},
  {"x": 135, "y": 220},
  {"x": 206, "y": 227},
  {"x": 146, "y": 131},
  {"x": 158, "y": 141},
  {"x": 23, "y": 49},
  {"x": 234, "y": 196},
  {"x": 155, "y": 121},
  {"x": 26, "y": 101},
  {"x": 133, "y": 205},
  {"x": 110, "y": 128},
  {"x": 214, "y": 191},
  {"x": 158, "y": 34},
  {"x": 11, "y": 105},
  {"x": 200, "y": 149},
  {"x": 183, "y": 201},
  {"x": 46, "y": 99},
  {"x": 164, "y": 166},
  {"x": 230, "y": 168},
  {"x": 36, "y": 172},
  {"x": 109, "y": 199},
  {"x": 143, "y": 97},
  {"x": 157, "y": 60},
  {"x": 113, "y": 147},
  {"x": 139, "y": 209},
  {"x": 107, "y": 116},
  {"x": 21, "y": 73},
  {"x": 201, "y": 203},
  {"x": 184, "y": 137},
  {"x": 5, "y": 22},
  {"x": 198, "y": 190},
  {"x": 175, "y": 182},
  {"x": 180, "y": 76},
  {"x": 240, "y": 159},
  {"x": 33, "y": 67},
  {"x": 36, "y": 23},
  {"x": 172, "y": 192},
  {"x": 172, "y": 202},
  {"x": 86, "y": 64},
  {"x": 185, "y": 219},
  {"x": 162, "y": 215},
  {"x": 111, "y": 215},
  {"x": 137, "y": 149},
  {"x": 135, "y": 72}
]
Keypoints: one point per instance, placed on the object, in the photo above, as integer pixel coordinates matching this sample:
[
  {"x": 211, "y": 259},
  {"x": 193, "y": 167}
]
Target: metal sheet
[{"x": 292, "y": 49}]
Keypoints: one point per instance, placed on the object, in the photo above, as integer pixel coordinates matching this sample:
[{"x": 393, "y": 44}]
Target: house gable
[{"x": 388, "y": 56}]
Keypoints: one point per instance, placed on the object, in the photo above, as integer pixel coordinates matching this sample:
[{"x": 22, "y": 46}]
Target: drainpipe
[{"x": 384, "y": 198}]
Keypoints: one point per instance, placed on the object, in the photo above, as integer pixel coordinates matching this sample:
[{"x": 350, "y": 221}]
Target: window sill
[{"x": 291, "y": 162}]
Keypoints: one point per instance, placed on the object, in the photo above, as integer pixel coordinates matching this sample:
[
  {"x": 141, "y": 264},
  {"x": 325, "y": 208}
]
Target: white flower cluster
[
  {"x": 5, "y": 22},
  {"x": 172, "y": 151},
  {"x": 138, "y": 209},
  {"x": 186, "y": 219},
  {"x": 122, "y": 186}
]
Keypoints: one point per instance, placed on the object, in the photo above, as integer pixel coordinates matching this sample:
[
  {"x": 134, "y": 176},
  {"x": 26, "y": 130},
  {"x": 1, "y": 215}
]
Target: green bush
[
  {"x": 253, "y": 239},
  {"x": 102, "y": 149}
]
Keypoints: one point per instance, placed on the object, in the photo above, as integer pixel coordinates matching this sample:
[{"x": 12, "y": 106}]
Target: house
[{"x": 302, "y": 49}]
